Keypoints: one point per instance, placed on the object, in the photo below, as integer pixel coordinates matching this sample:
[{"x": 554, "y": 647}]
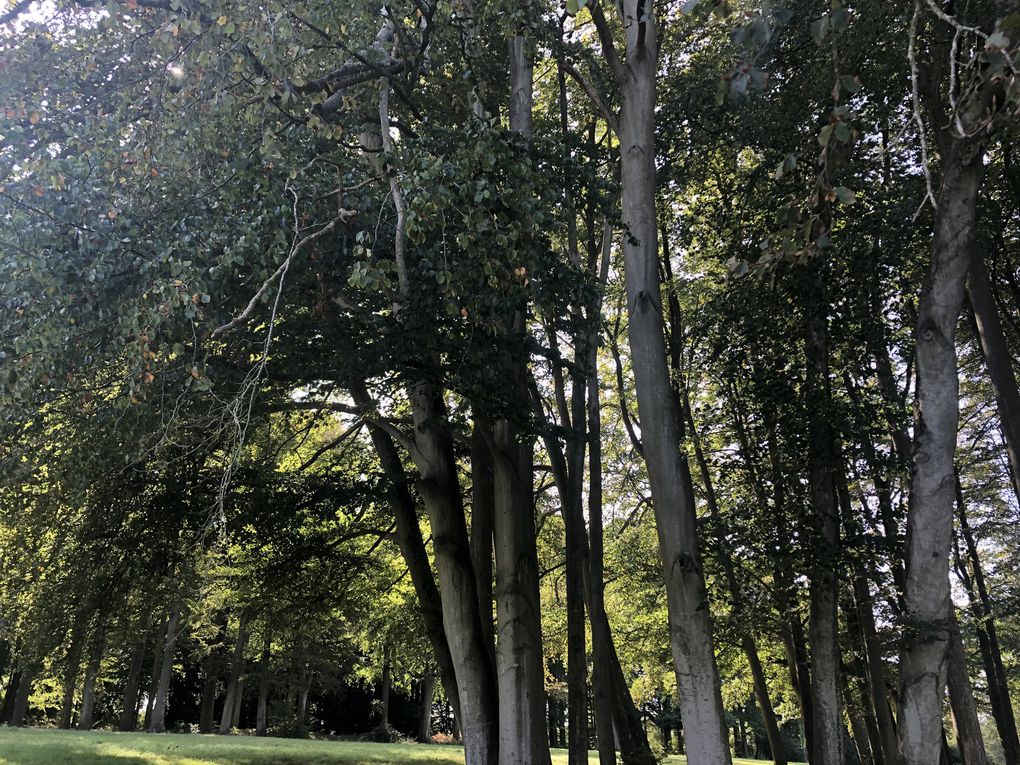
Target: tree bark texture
[{"x": 927, "y": 625}]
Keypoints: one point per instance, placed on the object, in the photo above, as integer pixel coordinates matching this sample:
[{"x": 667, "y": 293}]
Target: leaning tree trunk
[
  {"x": 129, "y": 713},
  {"x": 25, "y": 679},
  {"x": 440, "y": 490},
  {"x": 961, "y": 697},
  {"x": 412, "y": 545},
  {"x": 927, "y": 625},
  {"x": 157, "y": 722},
  {"x": 236, "y": 669},
  {"x": 999, "y": 361},
  {"x": 668, "y": 472},
  {"x": 88, "y": 689}
]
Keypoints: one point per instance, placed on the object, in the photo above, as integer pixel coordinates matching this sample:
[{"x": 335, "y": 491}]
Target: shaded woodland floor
[{"x": 27, "y": 746}]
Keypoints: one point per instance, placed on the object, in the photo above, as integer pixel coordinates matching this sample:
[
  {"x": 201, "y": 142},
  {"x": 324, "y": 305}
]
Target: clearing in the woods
[{"x": 50, "y": 747}]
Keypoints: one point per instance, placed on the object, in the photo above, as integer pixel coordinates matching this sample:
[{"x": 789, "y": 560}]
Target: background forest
[{"x": 634, "y": 376}]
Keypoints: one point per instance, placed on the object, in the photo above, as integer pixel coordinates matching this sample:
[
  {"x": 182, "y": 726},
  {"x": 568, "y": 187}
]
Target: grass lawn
[{"x": 28, "y": 746}]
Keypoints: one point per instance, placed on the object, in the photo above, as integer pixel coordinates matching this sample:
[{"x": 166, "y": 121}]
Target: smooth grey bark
[
  {"x": 434, "y": 457},
  {"x": 157, "y": 655},
  {"x": 930, "y": 514},
  {"x": 129, "y": 713},
  {"x": 412, "y": 545},
  {"x": 519, "y": 658},
  {"x": 88, "y": 689},
  {"x": 236, "y": 670},
  {"x": 999, "y": 361},
  {"x": 691, "y": 637},
  {"x": 157, "y": 722},
  {"x": 961, "y": 698}
]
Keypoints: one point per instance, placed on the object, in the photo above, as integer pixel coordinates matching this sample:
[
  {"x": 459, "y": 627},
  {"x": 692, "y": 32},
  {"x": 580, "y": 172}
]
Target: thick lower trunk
[
  {"x": 157, "y": 722},
  {"x": 961, "y": 698},
  {"x": 930, "y": 515},
  {"x": 236, "y": 670},
  {"x": 691, "y": 637},
  {"x": 88, "y": 689},
  {"x": 412, "y": 547},
  {"x": 428, "y": 689},
  {"x": 21, "y": 696},
  {"x": 129, "y": 713},
  {"x": 519, "y": 656},
  {"x": 440, "y": 491},
  {"x": 10, "y": 692}
]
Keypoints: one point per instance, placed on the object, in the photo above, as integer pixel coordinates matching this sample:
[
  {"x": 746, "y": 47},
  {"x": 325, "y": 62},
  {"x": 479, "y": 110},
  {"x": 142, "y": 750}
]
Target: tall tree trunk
[
  {"x": 157, "y": 722},
  {"x": 875, "y": 669},
  {"x": 999, "y": 361},
  {"x": 824, "y": 622},
  {"x": 519, "y": 657},
  {"x": 669, "y": 474},
  {"x": 601, "y": 637},
  {"x": 428, "y": 689},
  {"x": 129, "y": 713},
  {"x": 236, "y": 670},
  {"x": 961, "y": 698},
  {"x": 412, "y": 545},
  {"x": 88, "y": 689},
  {"x": 475, "y": 674},
  {"x": 930, "y": 514},
  {"x": 235, "y": 717},
  {"x": 261, "y": 726}
]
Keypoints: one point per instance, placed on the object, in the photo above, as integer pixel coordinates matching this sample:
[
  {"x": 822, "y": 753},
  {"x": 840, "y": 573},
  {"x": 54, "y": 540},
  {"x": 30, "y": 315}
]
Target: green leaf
[
  {"x": 819, "y": 29},
  {"x": 824, "y": 135},
  {"x": 845, "y": 195},
  {"x": 572, "y": 7}
]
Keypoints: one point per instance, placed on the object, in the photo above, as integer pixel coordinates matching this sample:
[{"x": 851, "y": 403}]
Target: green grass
[{"x": 28, "y": 746}]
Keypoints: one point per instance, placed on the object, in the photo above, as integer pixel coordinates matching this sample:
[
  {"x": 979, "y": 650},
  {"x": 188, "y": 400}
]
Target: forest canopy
[{"x": 638, "y": 376}]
